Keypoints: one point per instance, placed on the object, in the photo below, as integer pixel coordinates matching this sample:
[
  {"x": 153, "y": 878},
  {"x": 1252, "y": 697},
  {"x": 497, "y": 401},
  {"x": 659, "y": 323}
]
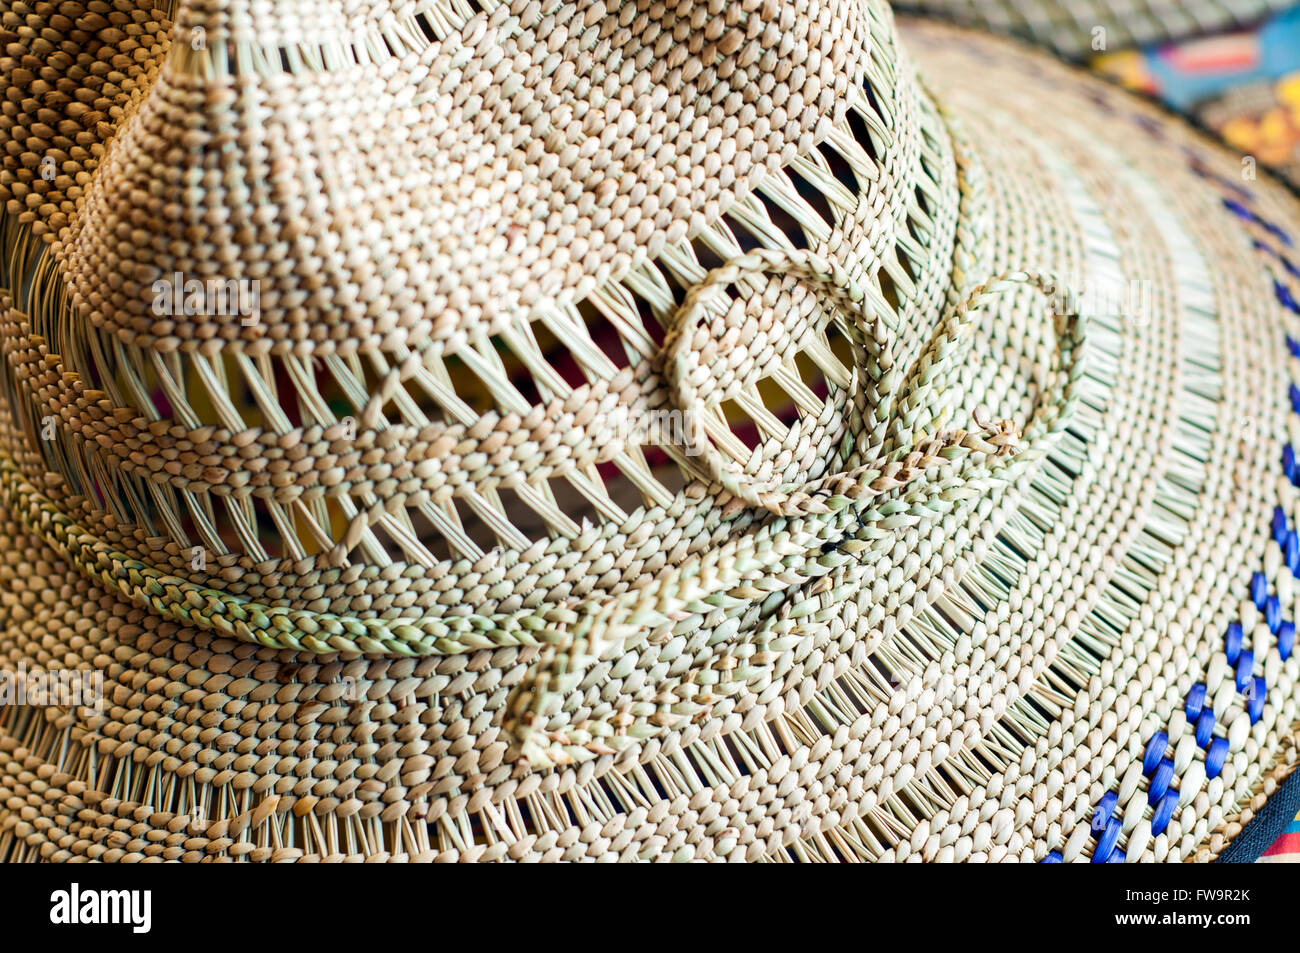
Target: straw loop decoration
[{"x": 708, "y": 363}]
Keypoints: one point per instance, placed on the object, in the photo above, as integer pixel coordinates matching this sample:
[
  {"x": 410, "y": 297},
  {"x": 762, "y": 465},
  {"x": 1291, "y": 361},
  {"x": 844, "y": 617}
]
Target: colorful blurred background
[{"x": 1243, "y": 85}]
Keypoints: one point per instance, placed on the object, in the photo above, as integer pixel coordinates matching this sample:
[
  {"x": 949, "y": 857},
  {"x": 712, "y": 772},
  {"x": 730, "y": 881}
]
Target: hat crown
[
  {"x": 515, "y": 163},
  {"x": 341, "y": 317}
]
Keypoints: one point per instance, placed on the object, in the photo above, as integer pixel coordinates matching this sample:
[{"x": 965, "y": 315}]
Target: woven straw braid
[{"x": 818, "y": 554}]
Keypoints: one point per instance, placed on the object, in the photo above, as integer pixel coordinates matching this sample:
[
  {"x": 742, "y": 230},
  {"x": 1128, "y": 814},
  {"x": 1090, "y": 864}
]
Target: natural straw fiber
[
  {"x": 1082, "y": 28},
  {"x": 659, "y": 431}
]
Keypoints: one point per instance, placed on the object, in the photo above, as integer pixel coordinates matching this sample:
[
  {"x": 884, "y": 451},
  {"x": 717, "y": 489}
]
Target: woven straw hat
[
  {"x": 477, "y": 431},
  {"x": 1080, "y": 28}
]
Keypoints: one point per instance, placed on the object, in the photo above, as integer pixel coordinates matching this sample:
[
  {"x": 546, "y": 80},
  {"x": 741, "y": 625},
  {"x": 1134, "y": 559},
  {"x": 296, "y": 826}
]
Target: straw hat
[
  {"x": 1081, "y": 28},
  {"x": 616, "y": 431}
]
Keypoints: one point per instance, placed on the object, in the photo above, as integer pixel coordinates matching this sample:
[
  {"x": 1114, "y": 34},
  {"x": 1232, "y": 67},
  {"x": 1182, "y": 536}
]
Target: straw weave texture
[{"x": 665, "y": 432}]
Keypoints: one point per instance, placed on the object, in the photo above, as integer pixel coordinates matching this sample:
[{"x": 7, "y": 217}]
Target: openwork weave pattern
[{"x": 660, "y": 431}]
